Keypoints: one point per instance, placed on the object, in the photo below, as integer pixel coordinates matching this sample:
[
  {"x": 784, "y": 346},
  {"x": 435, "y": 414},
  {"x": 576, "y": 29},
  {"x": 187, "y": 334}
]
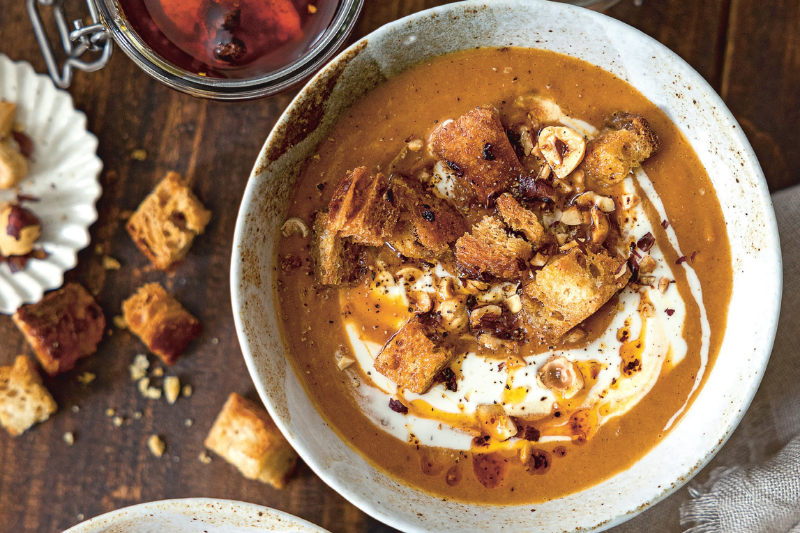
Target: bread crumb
[
  {"x": 204, "y": 457},
  {"x": 75, "y": 408},
  {"x": 187, "y": 391},
  {"x": 80, "y": 517},
  {"x": 158, "y": 372},
  {"x": 156, "y": 445},
  {"x": 172, "y": 388},
  {"x": 117, "y": 421},
  {"x": 312, "y": 9},
  {"x": 151, "y": 393},
  {"x": 188, "y": 422},
  {"x": 109, "y": 263},
  {"x": 98, "y": 249},
  {"x": 69, "y": 438},
  {"x": 119, "y": 322},
  {"x": 139, "y": 367},
  {"x": 137, "y": 415},
  {"x": 86, "y": 378},
  {"x": 139, "y": 154},
  {"x": 110, "y": 412},
  {"x": 215, "y": 341}
]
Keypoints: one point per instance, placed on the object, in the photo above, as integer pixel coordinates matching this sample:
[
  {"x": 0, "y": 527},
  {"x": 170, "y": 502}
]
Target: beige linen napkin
[{"x": 753, "y": 484}]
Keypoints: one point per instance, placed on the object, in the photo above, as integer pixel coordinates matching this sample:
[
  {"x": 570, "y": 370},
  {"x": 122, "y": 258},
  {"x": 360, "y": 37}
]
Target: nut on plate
[{"x": 19, "y": 230}]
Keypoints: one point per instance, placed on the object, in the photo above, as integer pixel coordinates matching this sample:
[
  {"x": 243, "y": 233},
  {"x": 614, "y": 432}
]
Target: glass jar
[{"x": 110, "y": 25}]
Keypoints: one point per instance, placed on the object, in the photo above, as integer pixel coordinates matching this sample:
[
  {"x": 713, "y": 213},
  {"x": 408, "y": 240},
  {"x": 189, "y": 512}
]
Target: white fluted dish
[{"x": 64, "y": 176}]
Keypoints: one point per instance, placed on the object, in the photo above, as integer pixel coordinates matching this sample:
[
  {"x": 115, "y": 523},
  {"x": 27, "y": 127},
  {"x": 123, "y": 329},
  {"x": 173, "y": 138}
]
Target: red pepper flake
[
  {"x": 669, "y": 312},
  {"x": 680, "y": 260},
  {"x": 488, "y": 155},
  {"x": 448, "y": 377},
  {"x": 501, "y": 366},
  {"x": 27, "y": 198},
  {"x": 665, "y": 224},
  {"x": 397, "y": 406},
  {"x": 694, "y": 254}
]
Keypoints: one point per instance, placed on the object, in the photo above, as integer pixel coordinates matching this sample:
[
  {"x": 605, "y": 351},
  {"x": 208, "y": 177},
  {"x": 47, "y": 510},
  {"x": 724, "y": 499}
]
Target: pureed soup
[{"x": 515, "y": 279}]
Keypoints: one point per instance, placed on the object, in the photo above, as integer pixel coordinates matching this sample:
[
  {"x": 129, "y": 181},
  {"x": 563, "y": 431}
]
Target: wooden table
[{"x": 748, "y": 50}]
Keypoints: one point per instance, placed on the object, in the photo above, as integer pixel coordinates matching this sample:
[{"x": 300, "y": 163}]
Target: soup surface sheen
[{"x": 643, "y": 355}]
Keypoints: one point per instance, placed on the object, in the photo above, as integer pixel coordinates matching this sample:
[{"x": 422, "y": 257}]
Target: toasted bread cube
[
  {"x": 427, "y": 225},
  {"x": 488, "y": 248},
  {"x": 621, "y": 147},
  {"x": 160, "y": 321},
  {"x": 569, "y": 289},
  {"x": 64, "y": 327},
  {"x": 413, "y": 357},
  {"x": 522, "y": 220},
  {"x": 245, "y": 436},
  {"x": 167, "y": 221},
  {"x": 476, "y": 147},
  {"x": 335, "y": 258},
  {"x": 361, "y": 209},
  {"x": 7, "y": 113},
  {"x": 24, "y": 400},
  {"x": 13, "y": 166}
]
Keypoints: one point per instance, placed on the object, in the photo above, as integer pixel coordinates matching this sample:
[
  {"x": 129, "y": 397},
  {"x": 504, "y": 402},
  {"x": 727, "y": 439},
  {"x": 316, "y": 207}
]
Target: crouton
[
  {"x": 245, "y": 436},
  {"x": 621, "y": 147},
  {"x": 520, "y": 219},
  {"x": 488, "y": 248},
  {"x": 336, "y": 260},
  {"x": 24, "y": 400},
  {"x": 413, "y": 357},
  {"x": 64, "y": 327},
  {"x": 361, "y": 208},
  {"x": 167, "y": 221},
  {"x": 8, "y": 112},
  {"x": 477, "y": 149},
  {"x": 160, "y": 321},
  {"x": 568, "y": 290},
  {"x": 13, "y": 166},
  {"x": 427, "y": 225}
]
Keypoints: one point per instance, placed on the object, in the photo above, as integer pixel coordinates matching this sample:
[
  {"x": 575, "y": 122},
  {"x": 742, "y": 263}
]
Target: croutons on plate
[
  {"x": 245, "y": 436},
  {"x": 160, "y": 321},
  {"x": 167, "y": 221},
  {"x": 24, "y": 400},
  {"x": 64, "y": 327}
]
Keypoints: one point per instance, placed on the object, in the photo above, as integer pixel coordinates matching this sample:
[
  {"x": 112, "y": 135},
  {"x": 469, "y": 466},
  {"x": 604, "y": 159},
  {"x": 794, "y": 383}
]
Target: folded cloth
[{"x": 749, "y": 486}]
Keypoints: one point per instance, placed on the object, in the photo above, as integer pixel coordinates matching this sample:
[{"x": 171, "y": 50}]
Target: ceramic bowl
[
  {"x": 663, "y": 78},
  {"x": 195, "y": 515}
]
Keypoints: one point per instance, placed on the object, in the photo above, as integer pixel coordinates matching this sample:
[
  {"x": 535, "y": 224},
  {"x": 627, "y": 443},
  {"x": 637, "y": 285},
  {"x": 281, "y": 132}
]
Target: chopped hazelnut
[
  {"x": 119, "y": 322},
  {"x": 663, "y": 285},
  {"x": 294, "y": 226},
  {"x": 109, "y": 263},
  {"x": 187, "y": 391},
  {"x": 156, "y": 445},
  {"x": 139, "y": 367},
  {"x": 172, "y": 389},
  {"x": 560, "y": 374},
  {"x": 86, "y": 378},
  {"x": 69, "y": 438},
  {"x": 563, "y": 149},
  {"x": 19, "y": 230}
]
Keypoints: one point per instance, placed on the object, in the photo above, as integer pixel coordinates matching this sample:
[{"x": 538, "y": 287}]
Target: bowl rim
[
  {"x": 100, "y": 523},
  {"x": 760, "y": 192}
]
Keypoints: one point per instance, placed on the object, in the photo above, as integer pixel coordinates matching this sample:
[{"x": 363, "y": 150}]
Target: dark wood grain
[{"x": 747, "y": 49}]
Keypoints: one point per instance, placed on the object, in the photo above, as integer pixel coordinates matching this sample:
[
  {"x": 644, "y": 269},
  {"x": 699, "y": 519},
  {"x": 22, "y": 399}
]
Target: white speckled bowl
[
  {"x": 663, "y": 78},
  {"x": 195, "y": 515}
]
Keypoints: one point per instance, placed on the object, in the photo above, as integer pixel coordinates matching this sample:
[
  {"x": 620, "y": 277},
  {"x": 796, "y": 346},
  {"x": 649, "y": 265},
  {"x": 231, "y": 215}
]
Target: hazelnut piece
[
  {"x": 561, "y": 375},
  {"x": 13, "y": 166},
  {"x": 563, "y": 149},
  {"x": 19, "y": 229}
]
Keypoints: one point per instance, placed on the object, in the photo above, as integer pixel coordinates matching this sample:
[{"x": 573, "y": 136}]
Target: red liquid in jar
[{"x": 229, "y": 38}]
